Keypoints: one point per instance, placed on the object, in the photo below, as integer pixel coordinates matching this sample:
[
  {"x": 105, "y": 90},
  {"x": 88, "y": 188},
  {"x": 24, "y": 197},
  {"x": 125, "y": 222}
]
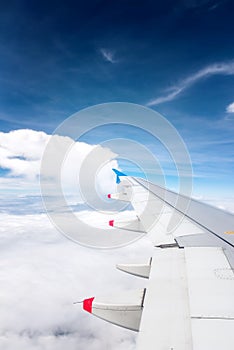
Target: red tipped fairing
[
  {"x": 87, "y": 304},
  {"x": 111, "y": 223}
]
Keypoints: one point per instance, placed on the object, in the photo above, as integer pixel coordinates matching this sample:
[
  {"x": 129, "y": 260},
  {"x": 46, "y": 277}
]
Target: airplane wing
[{"x": 188, "y": 302}]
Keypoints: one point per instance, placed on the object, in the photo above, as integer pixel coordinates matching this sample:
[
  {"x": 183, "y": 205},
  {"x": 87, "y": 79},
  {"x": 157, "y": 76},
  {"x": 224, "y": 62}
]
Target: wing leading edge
[{"x": 188, "y": 302}]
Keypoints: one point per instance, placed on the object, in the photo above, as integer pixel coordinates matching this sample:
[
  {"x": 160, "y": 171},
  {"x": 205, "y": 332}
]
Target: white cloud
[
  {"x": 222, "y": 68},
  {"x": 230, "y": 108},
  {"x": 108, "y": 55},
  {"x": 21, "y": 153}
]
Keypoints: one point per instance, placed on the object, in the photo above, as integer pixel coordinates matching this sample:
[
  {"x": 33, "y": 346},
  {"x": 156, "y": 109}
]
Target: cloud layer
[{"x": 43, "y": 273}]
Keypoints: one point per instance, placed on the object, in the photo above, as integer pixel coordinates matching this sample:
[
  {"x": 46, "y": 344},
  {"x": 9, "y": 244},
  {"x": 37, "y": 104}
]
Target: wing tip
[{"x": 118, "y": 174}]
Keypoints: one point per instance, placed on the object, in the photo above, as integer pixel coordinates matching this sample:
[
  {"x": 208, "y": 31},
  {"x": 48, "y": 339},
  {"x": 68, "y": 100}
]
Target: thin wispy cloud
[
  {"x": 108, "y": 55},
  {"x": 223, "y": 68},
  {"x": 215, "y": 6},
  {"x": 210, "y": 5}
]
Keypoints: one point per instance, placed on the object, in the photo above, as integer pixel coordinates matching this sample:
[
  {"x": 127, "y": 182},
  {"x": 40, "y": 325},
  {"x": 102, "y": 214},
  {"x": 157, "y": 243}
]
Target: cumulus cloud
[
  {"x": 108, "y": 55},
  {"x": 21, "y": 151},
  {"x": 223, "y": 68},
  {"x": 21, "y": 154}
]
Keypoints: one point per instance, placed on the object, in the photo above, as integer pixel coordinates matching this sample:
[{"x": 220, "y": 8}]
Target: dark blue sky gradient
[{"x": 51, "y": 64}]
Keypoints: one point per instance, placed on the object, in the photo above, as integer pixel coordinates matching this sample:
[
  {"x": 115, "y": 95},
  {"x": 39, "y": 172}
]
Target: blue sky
[
  {"x": 58, "y": 57},
  {"x": 176, "y": 57}
]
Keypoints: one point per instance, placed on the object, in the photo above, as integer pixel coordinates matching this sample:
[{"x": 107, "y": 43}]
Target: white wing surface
[{"x": 188, "y": 302}]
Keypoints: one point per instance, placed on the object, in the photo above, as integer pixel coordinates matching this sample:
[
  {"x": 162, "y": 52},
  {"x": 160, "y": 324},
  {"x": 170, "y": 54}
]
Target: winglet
[{"x": 118, "y": 174}]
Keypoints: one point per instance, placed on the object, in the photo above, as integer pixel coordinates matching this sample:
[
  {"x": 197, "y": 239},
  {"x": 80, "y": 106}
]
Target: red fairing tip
[
  {"x": 87, "y": 304},
  {"x": 109, "y": 195},
  {"x": 111, "y": 223}
]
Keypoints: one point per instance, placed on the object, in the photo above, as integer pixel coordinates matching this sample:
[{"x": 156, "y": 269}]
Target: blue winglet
[{"x": 118, "y": 174}]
